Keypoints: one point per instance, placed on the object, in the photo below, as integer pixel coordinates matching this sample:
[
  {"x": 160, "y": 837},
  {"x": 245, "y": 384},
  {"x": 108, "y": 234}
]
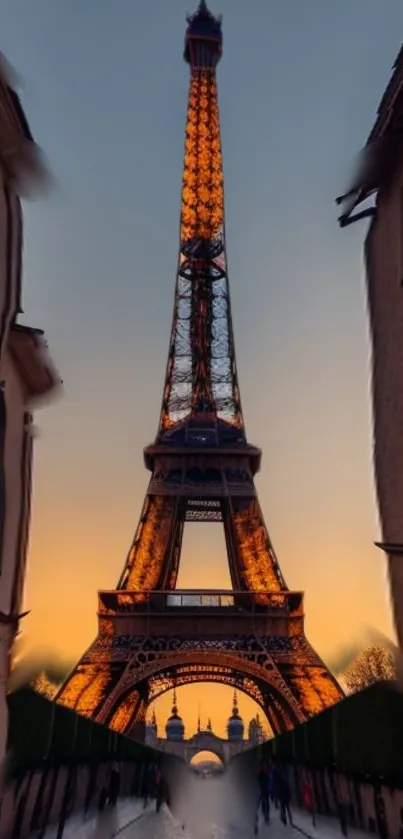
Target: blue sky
[{"x": 104, "y": 86}]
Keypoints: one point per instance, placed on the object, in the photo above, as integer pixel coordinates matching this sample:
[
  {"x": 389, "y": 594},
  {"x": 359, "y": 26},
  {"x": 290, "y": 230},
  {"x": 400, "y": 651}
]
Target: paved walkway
[
  {"x": 165, "y": 826},
  {"x": 325, "y": 828},
  {"x": 110, "y": 823},
  {"x": 208, "y": 810}
]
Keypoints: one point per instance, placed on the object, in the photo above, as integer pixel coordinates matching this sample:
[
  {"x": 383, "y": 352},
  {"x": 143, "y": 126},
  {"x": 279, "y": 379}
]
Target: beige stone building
[
  {"x": 26, "y": 372},
  {"x": 377, "y": 193}
]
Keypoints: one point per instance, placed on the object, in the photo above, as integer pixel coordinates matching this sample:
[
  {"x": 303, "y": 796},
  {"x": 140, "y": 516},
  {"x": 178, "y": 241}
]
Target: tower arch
[{"x": 262, "y": 684}]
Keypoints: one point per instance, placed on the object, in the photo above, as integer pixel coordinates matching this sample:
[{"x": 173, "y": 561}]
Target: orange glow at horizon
[
  {"x": 65, "y": 575},
  {"x": 204, "y": 757},
  {"x": 63, "y": 596},
  {"x": 209, "y": 700}
]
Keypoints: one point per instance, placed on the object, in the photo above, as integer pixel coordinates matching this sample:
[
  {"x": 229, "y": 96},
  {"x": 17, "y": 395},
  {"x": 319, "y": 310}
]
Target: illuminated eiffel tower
[{"x": 152, "y": 636}]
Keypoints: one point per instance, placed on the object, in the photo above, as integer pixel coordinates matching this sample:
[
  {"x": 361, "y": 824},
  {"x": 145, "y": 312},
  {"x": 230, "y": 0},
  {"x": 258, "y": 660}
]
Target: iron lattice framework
[
  {"x": 201, "y": 371},
  {"x": 202, "y": 469}
]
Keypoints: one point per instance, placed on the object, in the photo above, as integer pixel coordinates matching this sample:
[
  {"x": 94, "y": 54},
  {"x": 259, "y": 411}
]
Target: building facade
[
  {"x": 377, "y": 194},
  {"x": 26, "y": 373}
]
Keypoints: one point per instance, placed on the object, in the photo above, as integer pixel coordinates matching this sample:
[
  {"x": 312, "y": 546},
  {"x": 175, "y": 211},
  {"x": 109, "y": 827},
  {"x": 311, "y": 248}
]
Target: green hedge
[
  {"x": 362, "y": 734},
  {"x": 368, "y": 732},
  {"x": 42, "y": 730},
  {"x": 319, "y": 739}
]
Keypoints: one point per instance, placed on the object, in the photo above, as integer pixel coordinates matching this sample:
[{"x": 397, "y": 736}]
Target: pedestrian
[
  {"x": 160, "y": 789},
  {"x": 273, "y": 785},
  {"x": 284, "y": 797},
  {"x": 308, "y": 798},
  {"x": 147, "y": 782},
  {"x": 264, "y": 790},
  {"x": 114, "y": 783}
]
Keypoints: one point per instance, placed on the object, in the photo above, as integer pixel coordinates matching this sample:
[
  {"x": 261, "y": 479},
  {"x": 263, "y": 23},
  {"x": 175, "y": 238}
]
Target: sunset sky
[{"x": 104, "y": 86}]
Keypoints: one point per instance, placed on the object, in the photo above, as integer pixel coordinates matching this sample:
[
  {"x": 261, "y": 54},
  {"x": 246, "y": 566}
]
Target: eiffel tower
[{"x": 152, "y": 636}]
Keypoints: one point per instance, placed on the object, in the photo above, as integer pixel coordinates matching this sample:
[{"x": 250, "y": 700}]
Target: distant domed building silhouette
[
  {"x": 175, "y": 729},
  {"x": 235, "y": 727}
]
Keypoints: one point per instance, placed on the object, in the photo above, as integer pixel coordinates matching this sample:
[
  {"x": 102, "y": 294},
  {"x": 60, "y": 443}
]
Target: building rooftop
[
  {"x": 19, "y": 153},
  {"x": 382, "y": 151}
]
